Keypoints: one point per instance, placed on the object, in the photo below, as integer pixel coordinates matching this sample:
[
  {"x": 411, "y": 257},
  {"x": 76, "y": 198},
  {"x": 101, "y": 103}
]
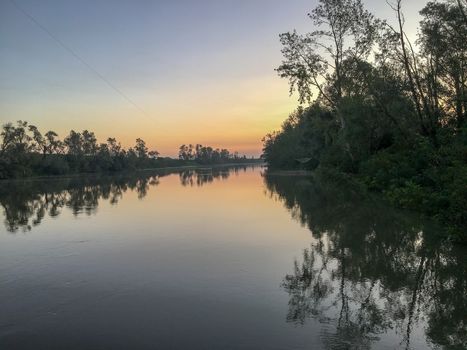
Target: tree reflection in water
[
  {"x": 201, "y": 176},
  {"x": 371, "y": 270},
  {"x": 25, "y": 203}
]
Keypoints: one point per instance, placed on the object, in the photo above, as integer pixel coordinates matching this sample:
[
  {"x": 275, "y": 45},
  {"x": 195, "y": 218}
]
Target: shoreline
[{"x": 173, "y": 168}]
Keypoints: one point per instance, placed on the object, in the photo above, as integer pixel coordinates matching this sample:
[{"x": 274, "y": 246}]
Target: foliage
[
  {"x": 388, "y": 111},
  {"x": 24, "y": 152},
  {"x": 207, "y": 155}
]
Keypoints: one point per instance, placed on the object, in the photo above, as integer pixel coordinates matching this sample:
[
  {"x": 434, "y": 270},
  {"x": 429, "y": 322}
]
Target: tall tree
[
  {"x": 443, "y": 34},
  {"x": 462, "y": 4},
  {"x": 89, "y": 143},
  {"x": 115, "y": 148},
  {"x": 52, "y": 144},
  {"x": 315, "y": 60},
  {"x": 318, "y": 61},
  {"x": 397, "y": 46},
  {"x": 141, "y": 149},
  {"x": 38, "y": 141},
  {"x": 74, "y": 143}
]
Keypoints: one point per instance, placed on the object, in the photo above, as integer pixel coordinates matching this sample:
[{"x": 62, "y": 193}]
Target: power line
[{"x": 75, "y": 55}]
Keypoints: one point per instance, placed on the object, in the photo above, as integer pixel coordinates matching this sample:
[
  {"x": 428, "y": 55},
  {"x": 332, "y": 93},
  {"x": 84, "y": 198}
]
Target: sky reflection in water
[{"x": 229, "y": 258}]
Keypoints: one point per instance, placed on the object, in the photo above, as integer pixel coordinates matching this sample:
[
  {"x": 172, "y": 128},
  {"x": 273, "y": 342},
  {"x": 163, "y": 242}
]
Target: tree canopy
[{"x": 375, "y": 105}]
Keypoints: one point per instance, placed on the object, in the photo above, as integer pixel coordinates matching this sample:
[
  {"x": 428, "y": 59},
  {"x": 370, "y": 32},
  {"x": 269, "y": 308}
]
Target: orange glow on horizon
[{"x": 238, "y": 123}]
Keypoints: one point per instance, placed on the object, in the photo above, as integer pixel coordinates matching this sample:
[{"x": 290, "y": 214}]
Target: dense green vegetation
[
  {"x": 388, "y": 113},
  {"x": 25, "y": 151}
]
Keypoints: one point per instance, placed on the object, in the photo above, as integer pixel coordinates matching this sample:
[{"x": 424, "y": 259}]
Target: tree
[
  {"x": 153, "y": 154},
  {"x": 38, "y": 141},
  {"x": 462, "y": 4},
  {"x": 22, "y": 140},
  {"x": 16, "y": 138},
  {"x": 183, "y": 152},
  {"x": 443, "y": 43},
  {"x": 89, "y": 143},
  {"x": 74, "y": 143},
  {"x": 224, "y": 154},
  {"x": 8, "y": 137},
  {"x": 52, "y": 144},
  {"x": 140, "y": 149},
  {"x": 15, "y": 150},
  {"x": 398, "y": 49},
  {"x": 317, "y": 60},
  {"x": 115, "y": 148}
]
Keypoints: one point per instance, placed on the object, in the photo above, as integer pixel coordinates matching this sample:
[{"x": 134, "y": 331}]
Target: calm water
[{"x": 222, "y": 259}]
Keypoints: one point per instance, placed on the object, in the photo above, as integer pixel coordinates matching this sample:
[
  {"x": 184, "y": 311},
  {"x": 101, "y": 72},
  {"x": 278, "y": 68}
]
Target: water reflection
[
  {"x": 201, "y": 176},
  {"x": 26, "y": 203},
  {"x": 371, "y": 270}
]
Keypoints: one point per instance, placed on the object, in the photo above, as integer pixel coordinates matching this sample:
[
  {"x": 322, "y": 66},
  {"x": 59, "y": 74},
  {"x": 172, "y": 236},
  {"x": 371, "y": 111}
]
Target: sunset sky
[{"x": 197, "y": 71}]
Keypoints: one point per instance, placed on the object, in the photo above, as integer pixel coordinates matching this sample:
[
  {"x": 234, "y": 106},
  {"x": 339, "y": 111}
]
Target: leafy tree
[
  {"x": 388, "y": 110},
  {"x": 89, "y": 143},
  {"x": 114, "y": 147},
  {"x": 444, "y": 47},
  {"x": 314, "y": 61},
  {"x": 140, "y": 149},
  {"x": 52, "y": 144},
  {"x": 74, "y": 143},
  {"x": 153, "y": 154}
]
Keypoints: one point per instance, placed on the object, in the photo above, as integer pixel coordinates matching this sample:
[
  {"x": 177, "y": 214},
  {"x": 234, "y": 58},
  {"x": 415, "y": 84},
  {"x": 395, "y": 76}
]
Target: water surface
[{"x": 223, "y": 258}]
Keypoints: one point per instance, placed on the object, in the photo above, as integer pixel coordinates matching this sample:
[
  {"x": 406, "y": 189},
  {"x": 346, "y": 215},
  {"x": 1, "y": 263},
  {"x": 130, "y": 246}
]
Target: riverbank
[
  {"x": 448, "y": 218},
  {"x": 134, "y": 171}
]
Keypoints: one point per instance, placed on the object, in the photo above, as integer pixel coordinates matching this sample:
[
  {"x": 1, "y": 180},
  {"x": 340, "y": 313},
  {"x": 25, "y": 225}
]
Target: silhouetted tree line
[
  {"x": 25, "y": 151},
  {"x": 208, "y": 155},
  {"x": 388, "y": 110},
  {"x": 371, "y": 269}
]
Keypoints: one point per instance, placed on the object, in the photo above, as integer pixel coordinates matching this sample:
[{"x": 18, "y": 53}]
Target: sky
[{"x": 170, "y": 72}]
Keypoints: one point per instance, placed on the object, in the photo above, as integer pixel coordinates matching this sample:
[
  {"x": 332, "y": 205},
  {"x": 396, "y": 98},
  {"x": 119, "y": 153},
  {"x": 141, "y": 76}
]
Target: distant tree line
[
  {"x": 25, "y": 151},
  {"x": 374, "y": 105},
  {"x": 206, "y": 154}
]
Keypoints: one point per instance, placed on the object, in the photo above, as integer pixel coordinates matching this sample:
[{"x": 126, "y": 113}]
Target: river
[{"x": 221, "y": 258}]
